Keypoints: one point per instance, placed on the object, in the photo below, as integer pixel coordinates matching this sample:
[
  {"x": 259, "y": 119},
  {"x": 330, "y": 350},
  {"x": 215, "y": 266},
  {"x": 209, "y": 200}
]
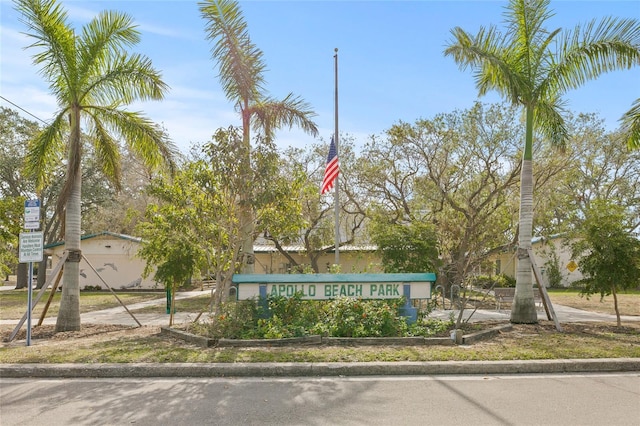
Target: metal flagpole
[{"x": 335, "y": 139}]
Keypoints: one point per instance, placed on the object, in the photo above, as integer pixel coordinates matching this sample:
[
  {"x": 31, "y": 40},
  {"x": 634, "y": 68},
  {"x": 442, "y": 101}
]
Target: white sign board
[
  {"x": 31, "y": 244},
  {"x": 323, "y": 291},
  {"x": 32, "y": 210},
  {"x": 32, "y": 225}
]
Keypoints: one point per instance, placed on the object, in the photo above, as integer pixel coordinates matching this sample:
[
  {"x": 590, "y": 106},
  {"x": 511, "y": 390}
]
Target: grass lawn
[{"x": 628, "y": 302}]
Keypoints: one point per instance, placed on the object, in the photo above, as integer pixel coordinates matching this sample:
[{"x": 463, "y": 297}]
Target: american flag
[{"x": 331, "y": 170}]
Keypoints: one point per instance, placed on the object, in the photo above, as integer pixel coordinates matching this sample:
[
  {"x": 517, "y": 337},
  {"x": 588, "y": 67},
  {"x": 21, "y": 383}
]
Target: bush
[
  {"x": 486, "y": 281},
  {"x": 294, "y": 317},
  {"x": 236, "y": 320},
  {"x": 92, "y": 288},
  {"x": 553, "y": 270},
  {"x": 347, "y": 317}
]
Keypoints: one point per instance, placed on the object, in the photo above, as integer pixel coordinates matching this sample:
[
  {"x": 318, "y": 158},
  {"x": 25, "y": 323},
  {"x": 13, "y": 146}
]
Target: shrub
[
  {"x": 348, "y": 317},
  {"x": 235, "y": 320},
  {"x": 553, "y": 270},
  {"x": 92, "y": 288},
  {"x": 294, "y": 317},
  {"x": 486, "y": 281}
]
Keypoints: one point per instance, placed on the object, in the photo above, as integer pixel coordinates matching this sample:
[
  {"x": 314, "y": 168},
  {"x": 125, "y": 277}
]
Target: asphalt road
[{"x": 567, "y": 399}]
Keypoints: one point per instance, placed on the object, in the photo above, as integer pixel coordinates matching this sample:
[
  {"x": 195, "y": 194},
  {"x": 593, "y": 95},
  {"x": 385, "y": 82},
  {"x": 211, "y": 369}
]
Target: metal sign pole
[
  {"x": 29, "y": 303},
  {"x": 32, "y": 223}
]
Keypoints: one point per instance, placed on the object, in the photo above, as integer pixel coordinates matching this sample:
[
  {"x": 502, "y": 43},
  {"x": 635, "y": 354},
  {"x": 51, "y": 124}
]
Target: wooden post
[
  {"x": 111, "y": 290},
  {"x": 53, "y": 292},
  {"x": 548, "y": 307}
]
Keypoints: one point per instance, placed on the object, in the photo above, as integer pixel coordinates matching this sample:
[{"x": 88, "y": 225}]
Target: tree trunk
[
  {"x": 523, "y": 309},
  {"x": 615, "y": 305},
  {"x": 42, "y": 271},
  {"x": 247, "y": 222},
  {"x": 22, "y": 275},
  {"x": 69, "y": 313},
  {"x": 174, "y": 287}
]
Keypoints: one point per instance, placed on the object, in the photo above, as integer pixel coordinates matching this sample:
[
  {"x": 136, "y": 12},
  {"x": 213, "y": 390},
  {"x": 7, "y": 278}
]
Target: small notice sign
[
  {"x": 32, "y": 210},
  {"x": 31, "y": 244},
  {"x": 572, "y": 266}
]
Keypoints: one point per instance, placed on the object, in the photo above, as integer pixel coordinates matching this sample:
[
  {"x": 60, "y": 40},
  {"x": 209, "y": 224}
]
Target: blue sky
[{"x": 391, "y": 65}]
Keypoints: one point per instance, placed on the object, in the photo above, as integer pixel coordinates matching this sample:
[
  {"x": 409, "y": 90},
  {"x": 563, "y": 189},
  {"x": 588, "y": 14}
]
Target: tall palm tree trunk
[
  {"x": 523, "y": 310},
  {"x": 69, "y": 313},
  {"x": 247, "y": 220}
]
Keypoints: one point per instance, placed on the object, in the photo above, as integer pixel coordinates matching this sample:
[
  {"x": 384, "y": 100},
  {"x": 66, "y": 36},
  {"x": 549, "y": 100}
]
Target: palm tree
[
  {"x": 92, "y": 76},
  {"x": 533, "y": 67},
  {"x": 241, "y": 74}
]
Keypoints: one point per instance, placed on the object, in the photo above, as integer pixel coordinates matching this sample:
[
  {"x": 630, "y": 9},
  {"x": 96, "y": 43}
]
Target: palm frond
[
  {"x": 525, "y": 21},
  {"x": 631, "y": 125},
  {"x": 239, "y": 60},
  {"x": 107, "y": 152},
  {"x": 489, "y": 58},
  {"x": 587, "y": 52},
  {"x": 271, "y": 114},
  {"x": 48, "y": 25},
  {"x": 145, "y": 139},
  {"x": 123, "y": 80},
  {"x": 106, "y": 36},
  {"x": 550, "y": 121},
  {"x": 46, "y": 150}
]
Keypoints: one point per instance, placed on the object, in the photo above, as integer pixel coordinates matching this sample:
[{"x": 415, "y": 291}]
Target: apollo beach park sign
[{"x": 333, "y": 286}]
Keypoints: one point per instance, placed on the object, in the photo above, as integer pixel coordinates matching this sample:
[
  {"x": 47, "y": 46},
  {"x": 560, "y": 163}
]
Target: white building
[
  {"x": 546, "y": 250},
  {"x": 113, "y": 256}
]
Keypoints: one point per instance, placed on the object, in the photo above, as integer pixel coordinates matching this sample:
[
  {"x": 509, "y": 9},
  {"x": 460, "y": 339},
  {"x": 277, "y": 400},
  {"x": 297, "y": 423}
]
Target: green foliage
[
  {"x": 241, "y": 67},
  {"x": 233, "y": 320},
  {"x": 294, "y": 317},
  {"x": 349, "y": 317},
  {"x": 290, "y": 317},
  {"x": 486, "y": 281},
  {"x": 608, "y": 255},
  {"x": 171, "y": 243},
  {"x": 411, "y": 247},
  {"x": 553, "y": 270},
  {"x": 11, "y": 211},
  {"x": 458, "y": 171}
]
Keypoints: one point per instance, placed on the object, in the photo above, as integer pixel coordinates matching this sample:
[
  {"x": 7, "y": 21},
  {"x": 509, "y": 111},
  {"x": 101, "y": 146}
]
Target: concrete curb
[{"x": 603, "y": 365}]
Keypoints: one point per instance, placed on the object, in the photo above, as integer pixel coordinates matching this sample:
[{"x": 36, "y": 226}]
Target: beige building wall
[
  {"x": 505, "y": 262},
  {"x": 114, "y": 258}
]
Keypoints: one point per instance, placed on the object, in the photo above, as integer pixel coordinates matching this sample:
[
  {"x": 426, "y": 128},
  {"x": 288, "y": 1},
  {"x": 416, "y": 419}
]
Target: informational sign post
[
  {"x": 31, "y": 244},
  {"x": 32, "y": 214},
  {"x": 31, "y": 247}
]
